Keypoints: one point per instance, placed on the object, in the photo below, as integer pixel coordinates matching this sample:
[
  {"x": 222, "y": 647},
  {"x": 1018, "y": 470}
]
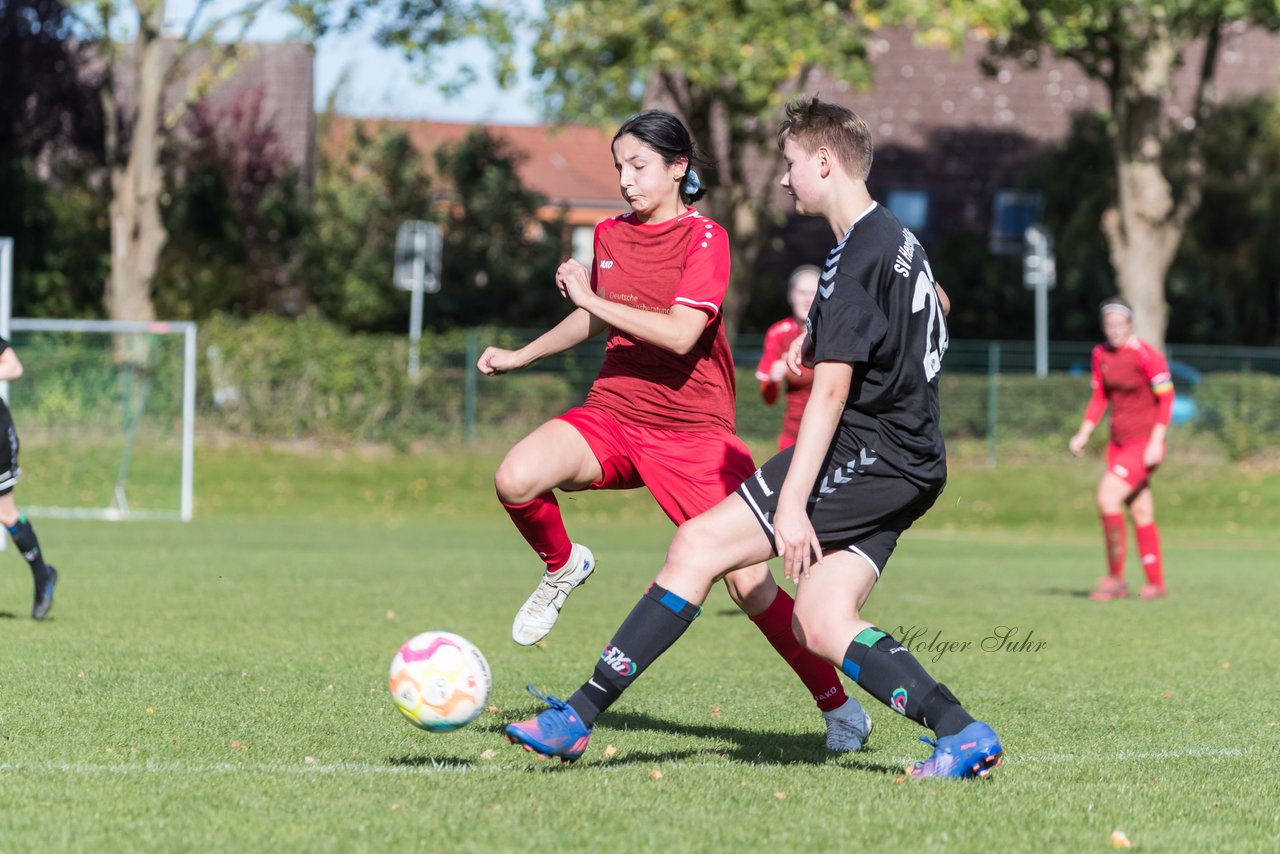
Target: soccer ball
[{"x": 439, "y": 681}]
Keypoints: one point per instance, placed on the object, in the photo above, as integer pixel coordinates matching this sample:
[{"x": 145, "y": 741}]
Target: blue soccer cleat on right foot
[
  {"x": 556, "y": 731},
  {"x": 972, "y": 752}
]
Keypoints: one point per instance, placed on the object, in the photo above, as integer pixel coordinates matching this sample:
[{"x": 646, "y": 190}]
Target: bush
[{"x": 306, "y": 378}]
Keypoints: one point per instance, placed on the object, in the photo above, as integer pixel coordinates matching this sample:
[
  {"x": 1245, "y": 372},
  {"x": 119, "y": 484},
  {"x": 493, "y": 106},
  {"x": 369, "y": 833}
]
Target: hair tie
[
  {"x": 1115, "y": 306},
  {"x": 691, "y": 182}
]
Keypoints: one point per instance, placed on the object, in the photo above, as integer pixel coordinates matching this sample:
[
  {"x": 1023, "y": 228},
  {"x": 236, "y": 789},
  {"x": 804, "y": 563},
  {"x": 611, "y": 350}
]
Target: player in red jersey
[
  {"x": 1134, "y": 378},
  {"x": 660, "y": 414},
  {"x": 772, "y": 373}
]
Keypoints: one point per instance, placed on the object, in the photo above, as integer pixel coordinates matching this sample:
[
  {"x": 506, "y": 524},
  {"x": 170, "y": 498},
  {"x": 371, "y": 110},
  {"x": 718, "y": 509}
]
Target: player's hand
[
  {"x": 1077, "y": 442},
  {"x": 495, "y": 361},
  {"x": 778, "y": 371},
  {"x": 574, "y": 282},
  {"x": 795, "y": 354},
  {"x": 796, "y": 542},
  {"x": 1154, "y": 454}
]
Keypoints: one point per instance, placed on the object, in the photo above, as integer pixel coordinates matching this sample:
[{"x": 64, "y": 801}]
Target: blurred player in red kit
[
  {"x": 1133, "y": 377},
  {"x": 772, "y": 373}
]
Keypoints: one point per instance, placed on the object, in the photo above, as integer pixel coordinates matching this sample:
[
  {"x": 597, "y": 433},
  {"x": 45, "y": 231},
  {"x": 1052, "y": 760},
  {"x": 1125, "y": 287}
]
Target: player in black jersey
[
  {"x": 24, "y": 536},
  {"x": 869, "y": 460}
]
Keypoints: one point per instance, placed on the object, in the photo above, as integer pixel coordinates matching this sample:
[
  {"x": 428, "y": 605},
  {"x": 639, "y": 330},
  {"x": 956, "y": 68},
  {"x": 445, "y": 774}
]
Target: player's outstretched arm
[
  {"x": 10, "y": 365},
  {"x": 565, "y": 335}
]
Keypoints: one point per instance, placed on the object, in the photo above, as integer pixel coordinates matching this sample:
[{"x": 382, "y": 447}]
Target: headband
[{"x": 1115, "y": 306}]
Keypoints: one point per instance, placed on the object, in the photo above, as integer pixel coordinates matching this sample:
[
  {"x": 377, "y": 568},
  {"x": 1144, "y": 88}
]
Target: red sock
[
  {"x": 540, "y": 524},
  {"x": 817, "y": 675},
  {"x": 1117, "y": 540},
  {"x": 1149, "y": 551}
]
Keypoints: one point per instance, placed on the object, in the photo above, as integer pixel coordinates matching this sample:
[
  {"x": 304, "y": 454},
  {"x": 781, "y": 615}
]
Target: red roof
[{"x": 571, "y": 164}]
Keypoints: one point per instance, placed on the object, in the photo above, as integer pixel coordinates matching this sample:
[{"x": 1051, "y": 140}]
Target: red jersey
[
  {"x": 1135, "y": 380},
  {"x": 653, "y": 267},
  {"x": 777, "y": 340}
]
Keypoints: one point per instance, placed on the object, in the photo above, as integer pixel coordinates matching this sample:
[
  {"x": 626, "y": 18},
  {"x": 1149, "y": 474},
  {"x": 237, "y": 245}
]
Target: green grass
[{"x": 221, "y": 685}]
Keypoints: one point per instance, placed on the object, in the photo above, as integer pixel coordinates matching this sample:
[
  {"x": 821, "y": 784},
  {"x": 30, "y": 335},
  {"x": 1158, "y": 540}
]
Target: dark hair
[
  {"x": 668, "y": 136},
  {"x": 811, "y": 123}
]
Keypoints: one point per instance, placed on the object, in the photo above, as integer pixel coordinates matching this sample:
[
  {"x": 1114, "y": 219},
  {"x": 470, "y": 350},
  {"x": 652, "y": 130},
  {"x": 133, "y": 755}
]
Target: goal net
[{"x": 105, "y": 413}]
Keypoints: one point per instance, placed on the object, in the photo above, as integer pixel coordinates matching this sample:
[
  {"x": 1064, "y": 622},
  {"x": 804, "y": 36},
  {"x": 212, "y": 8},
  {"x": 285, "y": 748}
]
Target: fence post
[
  {"x": 469, "y": 394},
  {"x": 993, "y": 409}
]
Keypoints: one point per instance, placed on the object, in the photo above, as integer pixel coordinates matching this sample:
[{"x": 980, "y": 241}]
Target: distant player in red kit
[
  {"x": 1133, "y": 377},
  {"x": 772, "y": 373},
  {"x": 660, "y": 414}
]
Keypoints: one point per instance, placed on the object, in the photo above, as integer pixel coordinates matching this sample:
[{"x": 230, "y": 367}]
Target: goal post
[
  {"x": 121, "y": 394},
  {"x": 104, "y": 401}
]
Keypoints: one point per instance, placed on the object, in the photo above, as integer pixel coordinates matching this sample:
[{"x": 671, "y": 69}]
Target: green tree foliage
[
  {"x": 1224, "y": 285},
  {"x": 725, "y": 68},
  {"x": 1134, "y": 49},
  {"x": 235, "y": 217},
  {"x": 49, "y": 115},
  {"x": 1221, "y": 286},
  {"x": 419, "y": 28},
  {"x": 362, "y": 195},
  {"x": 500, "y": 256}
]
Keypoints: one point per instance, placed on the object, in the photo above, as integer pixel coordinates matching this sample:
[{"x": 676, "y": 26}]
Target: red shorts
[
  {"x": 687, "y": 472},
  {"x": 1125, "y": 462}
]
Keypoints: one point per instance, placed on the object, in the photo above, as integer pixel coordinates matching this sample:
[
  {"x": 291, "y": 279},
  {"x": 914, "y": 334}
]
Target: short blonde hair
[
  {"x": 812, "y": 123},
  {"x": 800, "y": 272}
]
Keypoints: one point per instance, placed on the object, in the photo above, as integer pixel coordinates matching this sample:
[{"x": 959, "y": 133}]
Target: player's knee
[
  {"x": 752, "y": 588},
  {"x": 811, "y": 628},
  {"x": 515, "y": 482},
  {"x": 692, "y": 543}
]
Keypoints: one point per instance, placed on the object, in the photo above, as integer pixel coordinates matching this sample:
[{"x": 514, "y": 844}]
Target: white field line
[{"x": 431, "y": 767}]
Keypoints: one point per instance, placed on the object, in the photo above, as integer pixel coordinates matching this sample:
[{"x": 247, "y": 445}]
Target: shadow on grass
[
  {"x": 730, "y": 743},
  {"x": 8, "y": 615},
  {"x": 1065, "y": 591}
]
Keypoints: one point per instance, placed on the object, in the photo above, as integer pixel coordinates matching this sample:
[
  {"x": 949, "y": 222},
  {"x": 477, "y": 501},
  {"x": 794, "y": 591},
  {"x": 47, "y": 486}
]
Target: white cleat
[
  {"x": 538, "y": 615},
  {"x": 848, "y": 727}
]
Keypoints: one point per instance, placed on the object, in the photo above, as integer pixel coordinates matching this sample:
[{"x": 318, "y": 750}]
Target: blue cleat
[
  {"x": 556, "y": 731},
  {"x": 972, "y": 752},
  {"x": 44, "y": 596}
]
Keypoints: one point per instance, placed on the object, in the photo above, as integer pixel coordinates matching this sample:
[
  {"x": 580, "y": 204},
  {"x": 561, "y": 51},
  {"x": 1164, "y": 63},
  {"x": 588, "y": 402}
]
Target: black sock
[
  {"x": 889, "y": 672},
  {"x": 654, "y": 624},
  {"x": 24, "y": 537}
]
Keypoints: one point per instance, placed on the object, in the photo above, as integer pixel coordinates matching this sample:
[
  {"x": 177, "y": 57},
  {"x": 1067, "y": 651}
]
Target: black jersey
[{"x": 877, "y": 307}]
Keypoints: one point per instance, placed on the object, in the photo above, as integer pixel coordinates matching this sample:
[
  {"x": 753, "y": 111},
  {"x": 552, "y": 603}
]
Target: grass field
[{"x": 221, "y": 685}]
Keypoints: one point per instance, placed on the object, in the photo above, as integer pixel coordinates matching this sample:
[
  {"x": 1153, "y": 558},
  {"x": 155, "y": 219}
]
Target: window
[
  {"x": 910, "y": 206},
  {"x": 1014, "y": 210}
]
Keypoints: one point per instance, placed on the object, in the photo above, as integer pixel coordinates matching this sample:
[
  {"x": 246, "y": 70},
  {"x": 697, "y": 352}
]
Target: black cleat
[{"x": 44, "y": 596}]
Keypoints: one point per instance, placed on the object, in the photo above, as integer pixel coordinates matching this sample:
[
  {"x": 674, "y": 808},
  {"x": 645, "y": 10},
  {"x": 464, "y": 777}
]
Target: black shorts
[
  {"x": 861, "y": 505},
  {"x": 9, "y": 469}
]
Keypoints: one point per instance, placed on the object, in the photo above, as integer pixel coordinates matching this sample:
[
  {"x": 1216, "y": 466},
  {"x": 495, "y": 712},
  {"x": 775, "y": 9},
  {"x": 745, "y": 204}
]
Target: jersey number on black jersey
[{"x": 925, "y": 298}]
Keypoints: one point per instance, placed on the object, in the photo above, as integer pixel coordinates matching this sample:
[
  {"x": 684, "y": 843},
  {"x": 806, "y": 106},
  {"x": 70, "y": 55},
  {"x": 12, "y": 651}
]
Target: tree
[
  {"x": 726, "y": 71},
  {"x": 363, "y": 192},
  {"x": 140, "y": 124},
  {"x": 1134, "y": 50},
  {"x": 235, "y": 215},
  {"x": 50, "y": 148},
  {"x": 499, "y": 258}
]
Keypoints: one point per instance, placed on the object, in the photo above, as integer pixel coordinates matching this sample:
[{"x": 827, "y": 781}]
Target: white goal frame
[{"x": 119, "y": 508}]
